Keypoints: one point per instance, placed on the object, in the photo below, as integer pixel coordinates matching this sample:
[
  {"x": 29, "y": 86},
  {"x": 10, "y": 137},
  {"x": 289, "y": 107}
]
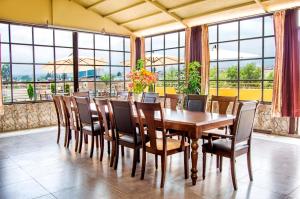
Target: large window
[
  {"x": 165, "y": 55},
  {"x": 242, "y": 58}
]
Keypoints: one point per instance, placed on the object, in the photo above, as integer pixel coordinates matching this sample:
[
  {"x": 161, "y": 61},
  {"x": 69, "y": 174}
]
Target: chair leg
[
  {"x": 116, "y": 156},
  {"x": 233, "y": 176},
  {"x": 97, "y": 142},
  {"x": 122, "y": 151},
  {"x": 101, "y": 146},
  {"x": 135, "y": 153},
  {"x": 77, "y": 140},
  {"x": 163, "y": 170},
  {"x": 108, "y": 147},
  {"x": 86, "y": 140},
  {"x": 143, "y": 164},
  {"x": 156, "y": 164},
  {"x": 69, "y": 137},
  {"x": 204, "y": 166},
  {"x": 58, "y": 133},
  {"x": 218, "y": 162},
  {"x": 66, "y": 136},
  {"x": 80, "y": 141},
  {"x": 92, "y": 146},
  {"x": 221, "y": 163},
  {"x": 249, "y": 165},
  {"x": 186, "y": 163},
  {"x": 113, "y": 153},
  {"x": 138, "y": 156}
]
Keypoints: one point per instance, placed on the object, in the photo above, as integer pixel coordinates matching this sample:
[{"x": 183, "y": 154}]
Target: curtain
[
  {"x": 279, "y": 37},
  {"x": 132, "y": 52},
  {"x": 291, "y": 72},
  {"x": 205, "y": 60},
  {"x": 195, "y": 44},
  {"x": 137, "y": 48},
  {"x": 187, "y": 50}
]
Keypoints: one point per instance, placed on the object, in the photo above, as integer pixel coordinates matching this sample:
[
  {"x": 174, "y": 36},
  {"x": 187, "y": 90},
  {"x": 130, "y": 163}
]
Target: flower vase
[{"x": 137, "y": 97}]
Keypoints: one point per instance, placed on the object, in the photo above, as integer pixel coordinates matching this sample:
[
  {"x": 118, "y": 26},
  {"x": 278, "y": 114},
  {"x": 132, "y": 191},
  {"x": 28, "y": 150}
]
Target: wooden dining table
[{"x": 194, "y": 124}]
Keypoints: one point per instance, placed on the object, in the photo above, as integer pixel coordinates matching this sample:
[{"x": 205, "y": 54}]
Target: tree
[
  {"x": 193, "y": 84},
  {"x": 105, "y": 78},
  {"x": 213, "y": 73},
  {"x": 231, "y": 73},
  {"x": 171, "y": 74},
  {"x": 5, "y": 72},
  {"x": 250, "y": 72},
  {"x": 30, "y": 91}
]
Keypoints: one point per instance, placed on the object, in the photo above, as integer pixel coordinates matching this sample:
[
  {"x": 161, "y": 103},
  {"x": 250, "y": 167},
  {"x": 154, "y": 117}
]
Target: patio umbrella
[{"x": 158, "y": 59}]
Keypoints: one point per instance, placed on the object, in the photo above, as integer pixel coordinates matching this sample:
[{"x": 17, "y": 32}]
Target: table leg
[{"x": 194, "y": 155}]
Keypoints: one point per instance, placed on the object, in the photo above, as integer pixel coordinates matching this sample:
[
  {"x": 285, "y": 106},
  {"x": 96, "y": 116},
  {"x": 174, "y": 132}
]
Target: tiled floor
[{"x": 32, "y": 165}]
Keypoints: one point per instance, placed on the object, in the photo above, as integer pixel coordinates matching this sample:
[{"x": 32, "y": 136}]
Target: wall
[{"x": 64, "y": 13}]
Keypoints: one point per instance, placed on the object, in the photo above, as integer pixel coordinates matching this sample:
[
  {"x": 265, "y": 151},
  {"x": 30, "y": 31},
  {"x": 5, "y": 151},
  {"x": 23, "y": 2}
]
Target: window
[
  {"x": 165, "y": 55},
  {"x": 104, "y": 62},
  {"x": 242, "y": 56}
]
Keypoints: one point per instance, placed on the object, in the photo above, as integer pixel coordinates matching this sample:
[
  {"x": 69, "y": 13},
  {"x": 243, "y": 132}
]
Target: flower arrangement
[{"x": 141, "y": 78}]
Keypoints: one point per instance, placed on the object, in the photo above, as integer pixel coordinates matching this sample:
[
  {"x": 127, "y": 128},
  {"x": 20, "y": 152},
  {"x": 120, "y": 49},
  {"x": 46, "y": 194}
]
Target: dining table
[{"x": 192, "y": 123}]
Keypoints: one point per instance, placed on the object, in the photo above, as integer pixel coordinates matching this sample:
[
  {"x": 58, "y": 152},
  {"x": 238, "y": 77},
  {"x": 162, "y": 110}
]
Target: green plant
[
  {"x": 105, "y": 78},
  {"x": 52, "y": 88},
  {"x": 67, "y": 88},
  {"x": 192, "y": 85},
  {"x": 30, "y": 91}
]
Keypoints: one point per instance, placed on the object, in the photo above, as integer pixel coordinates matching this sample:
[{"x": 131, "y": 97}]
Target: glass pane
[
  {"x": 127, "y": 59},
  {"x": 6, "y": 93},
  {"x": 182, "y": 38},
  {"x": 65, "y": 88},
  {"x": 228, "y": 31},
  {"x": 115, "y": 87},
  {"x": 160, "y": 71},
  {"x": 251, "y": 70},
  {"x": 116, "y": 43},
  {"x": 86, "y": 57},
  {"x": 102, "y": 89},
  {"x": 43, "y": 91},
  {"x": 85, "y": 40},
  {"x": 148, "y": 59},
  {"x": 182, "y": 55},
  {"x": 22, "y": 54},
  {"x": 43, "y": 36},
  {"x": 251, "y": 49},
  {"x": 212, "y": 88},
  {"x": 127, "y": 71},
  {"x": 213, "y": 52},
  {"x": 21, "y": 34},
  {"x": 228, "y": 88},
  {"x": 44, "y": 73},
  {"x": 43, "y": 54},
  {"x": 63, "y": 38},
  {"x": 20, "y": 92},
  {"x": 103, "y": 74},
  {"x": 64, "y": 55},
  {"x": 171, "y": 56},
  {"x": 148, "y": 43},
  {"x": 248, "y": 30},
  {"x": 64, "y": 73},
  {"x": 171, "y": 72},
  {"x": 87, "y": 86},
  {"x": 117, "y": 58},
  {"x": 117, "y": 73},
  {"x": 171, "y": 40},
  {"x": 213, "y": 71},
  {"x": 269, "y": 47},
  {"x": 171, "y": 87},
  {"x": 182, "y": 71},
  {"x": 22, "y": 73},
  {"x": 5, "y": 73},
  {"x": 5, "y": 53},
  {"x": 127, "y": 44},
  {"x": 228, "y": 70},
  {"x": 86, "y": 73},
  {"x": 102, "y": 57},
  {"x": 157, "y": 57},
  {"x": 228, "y": 50},
  {"x": 159, "y": 88},
  {"x": 250, "y": 90},
  {"x": 212, "y": 31},
  {"x": 269, "y": 69},
  {"x": 101, "y": 42},
  {"x": 158, "y": 42},
  {"x": 4, "y": 32},
  {"x": 269, "y": 25},
  {"x": 268, "y": 91}
]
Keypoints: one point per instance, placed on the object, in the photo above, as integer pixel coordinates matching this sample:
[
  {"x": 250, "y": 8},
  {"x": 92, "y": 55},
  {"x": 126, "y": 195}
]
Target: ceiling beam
[
  {"x": 123, "y": 9},
  {"x": 259, "y": 3},
  {"x": 165, "y": 10},
  {"x": 174, "y": 9},
  {"x": 94, "y": 4},
  {"x": 139, "y": 18},
  {"x": 154, "y": 26}
]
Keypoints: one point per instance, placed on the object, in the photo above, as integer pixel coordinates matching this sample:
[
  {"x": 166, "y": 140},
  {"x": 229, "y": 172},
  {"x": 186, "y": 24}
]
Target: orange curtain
[
  {"x": 187, "y": 50},
  {"x": 132, "y": 52},
  {"x": 279, "y": 18},
  {"x": 204, "y": 60},
  {"x": 143, "y": 49}
]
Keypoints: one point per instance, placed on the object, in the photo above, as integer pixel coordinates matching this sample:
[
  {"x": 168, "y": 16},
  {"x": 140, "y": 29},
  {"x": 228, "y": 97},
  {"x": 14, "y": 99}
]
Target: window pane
[
  {"x": 20, "y": 92},
  {"x": 64, "y": 73},
  {"x": 269, "y": 25},
  {"x": 269, "y": 69},
  {"x": 63, "y": 38},
  {"x": 248, "y": 30},
  {"x": 251, "y": 48},
  {"x": 157, "y": 57},
  {"x": 86, "y": 57},
  {"x": 159, "y": 88},
  {"x": 148, "y": 43},
  {"x": 117, "y": 73},
  {"x": 212, "y": 88},
  {"x": 44, "y": 73},
  {"x": 115, "y": 87},
  {"x": 102, "y": 89},
  {"x": 213, "y": 71},
  {"x": 171, "y": 87},
  {"x": 116, "y": 43},
  {"x": 228, "y": 50},
  {"x": 4, "y": 32},
  {"x": 228, "y": 70},
  {"x": 6, "y": 93},
  {"x": 43, "y": 91},
  {"x": 101, "y": 42},
  {"x": 171, "y": 72},
  {"x": 21, "y": 34},
  {"x": 171, "y": 56},
  {"x": 43, "y": 36},
  {"x": 127, "y": 59},
  {"x": 64, "y": 55},
  {"x": 64, "y": 88},
  {"x": 102, "y": 57},
  {"x": 182, "y": 55},
  {"x": 127, "y": 44},
  {"x": 213, "y": 51},
  {"x": 158, "y": 42},
  {"x": 85, "y": 40},
  {"x": 228, "y": 88},
  {"x": 251, "y": 70},
  {"x": 212, "y": 30},
  {"x": 117, "y": 58},
  {"x": 148, "y": 59},
  {"x": 171, "y": 40},
  {"x": 22, "y": 73},
  {"x": 5, "y": 53},
  {"x": 182, "y": 38},
  {"x": 43, "y": 54},
  {"x": 127, "y": 71},
  {"x": 269, "y": 47},
  {"x": 86, "y": 73},
  {"x": 250, "y": 90},
  {"x": 228, "y": 31},
  {"x": 22, "y": 54},
  {"x": 87, "y": 86},
  {"x": 182, "y": 71},
  {"x": 268, "y": 91},
  {"x": 160, "y": 71},
  {"x": 6, "y": 73},
  {"x": 103, "y": 74}
]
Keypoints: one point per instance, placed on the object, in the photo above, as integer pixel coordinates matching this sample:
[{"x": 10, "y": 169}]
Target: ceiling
[{"x": 144, "y": 17}]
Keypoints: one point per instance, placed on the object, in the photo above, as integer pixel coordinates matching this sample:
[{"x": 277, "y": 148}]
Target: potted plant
[
  {"x": 30, "y": 91},
  {"x": 52, "y": 88},
  {"x": 193, "y": 85},
  {"x": 67, "y": 88}
]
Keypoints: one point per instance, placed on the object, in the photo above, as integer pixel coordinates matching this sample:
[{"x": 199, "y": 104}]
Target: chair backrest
[
  {"x": 196, "y": 103},
  {"x": 57, "y": 99},
  {"x": 147, "y": 117},
  {"x": 102, "y": 106},
  {"x": 124, "y": 95},
  {"x": 84, "y": 110},
  {"x": 124, "y": 122},
  {"x": 223, "y": 103},
  {"x": 81, "y": 94},
  {"x": 243, "y": 125},
  {"x": 172, "y": 100},
  {"x": 69, "y": 106},
  {"x": 150, "y": 97}
]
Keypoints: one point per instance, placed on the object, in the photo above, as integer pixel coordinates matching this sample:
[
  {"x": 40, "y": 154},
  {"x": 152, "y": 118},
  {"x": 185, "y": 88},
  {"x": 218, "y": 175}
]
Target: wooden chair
[
  {"x": 61, "y": 119},
  {"x": 88, "y": 126},
  {"x": 196, "y": 103},
  {"x": 158, "y": 146},
  {"x": 81, "y": 94},
  {"x": 236, "y": 144},
  {"x": 126, "y": 131},
  {"x": 149, "y": 97},
  {"x": 72, "y": 118},
  {"x": 172, "y": 100},
  {"x": 102, "y": 106}
]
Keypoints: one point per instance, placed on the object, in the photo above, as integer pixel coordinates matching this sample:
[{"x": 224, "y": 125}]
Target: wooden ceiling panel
[
  {"x": 171, "y": 3},
  {"x": 86, "y": 3}
]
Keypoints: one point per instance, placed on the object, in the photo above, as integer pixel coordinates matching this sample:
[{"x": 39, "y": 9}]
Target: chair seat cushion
[
  {"x": 172, "y": 144},
  {"x": 97, "y": 127},
  {"x": 130, "y": 139},
  {"x": 223, "y": 145}
]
